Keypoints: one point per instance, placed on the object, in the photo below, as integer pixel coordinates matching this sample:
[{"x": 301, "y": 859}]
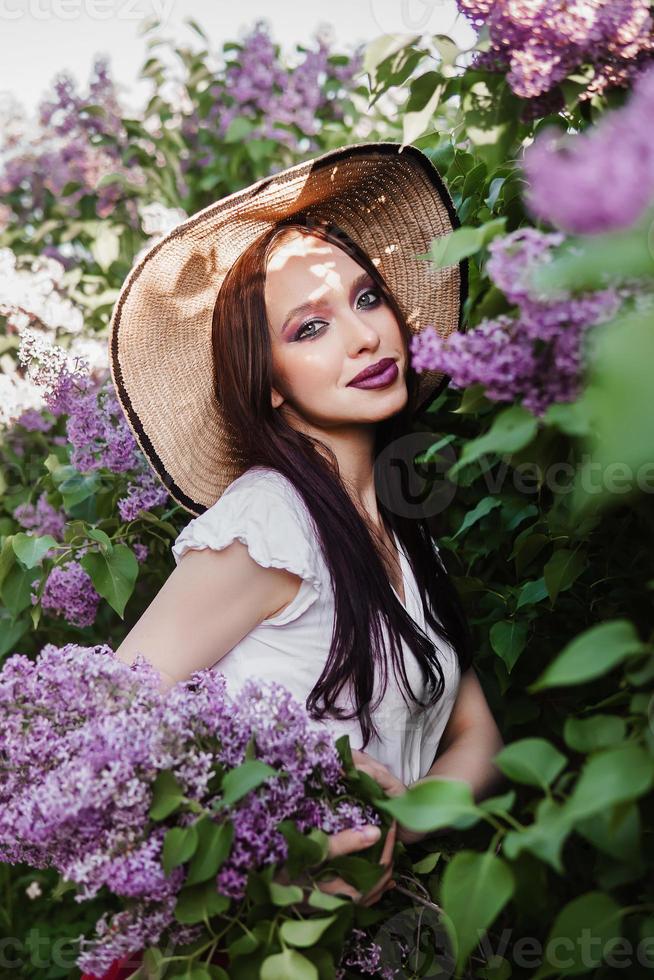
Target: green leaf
[
  {"x": 288, "y": 965},
  {"x": 10, "y": 633},
  {"x": 304, "y": 850},
  {"x": 426, "y": 864},
  {"x": 214, "y": 843},
  {"x": 456, "y": 245},
  {"x": 98, "y": 535},
  {"x": 474, "y": 890},
  {"x": 105, "y": 246},
  {"x": 616, "y": 831},
  {"x": 484, "y": 507},
  {"x": 113, "y": 574},
  {"x": 508, "y": 639},
  {"x": 585, "y": 928},
  {"x": 306, "y": 932},
  {"x": 167, "y": 795},
  {"x": 531, "y": 593},
  {"x": 199, "y": 903},
  {"x": 562, "y": 570},
  {"x": 544, "y": 838},
  {"x": 242, "y": 780},
  {"x": 533, "y": 761},
  {"x": 432, "y": 804},
  {"x": 30, "y": 549},
  {"x": 612, "y": 776},
  {"x": 7, "y": 558},
  {"x": 498, "y": 804},
  {"x": 512, "y": 430},
  {"x": 17, "y": 589},
  {"x": 344, "y": 749},
  {"x": 284, "y": 894},
  {"x": 237, "y": 130},
  {"x": 414, "y": 123},
  {"x": 179, "y": 845},
  {"x": 319, "y": 899},
  {"x": 591, "y": 654},
  {"x": 596, "y": 732}
]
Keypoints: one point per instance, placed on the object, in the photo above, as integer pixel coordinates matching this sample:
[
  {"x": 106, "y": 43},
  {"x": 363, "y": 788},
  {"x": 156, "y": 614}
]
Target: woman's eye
[
  {"x": 370, "y": 292},
  {"x": 310, "y": 323}
]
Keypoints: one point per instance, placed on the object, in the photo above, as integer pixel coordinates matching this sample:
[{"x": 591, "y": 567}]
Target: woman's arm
[
  {"x": 209, "y": 602},
  {"x": 469, "y": 742}
]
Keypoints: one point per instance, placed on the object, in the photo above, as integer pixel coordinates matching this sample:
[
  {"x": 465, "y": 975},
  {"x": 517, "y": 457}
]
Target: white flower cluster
[{"x": 32, "y": 294}]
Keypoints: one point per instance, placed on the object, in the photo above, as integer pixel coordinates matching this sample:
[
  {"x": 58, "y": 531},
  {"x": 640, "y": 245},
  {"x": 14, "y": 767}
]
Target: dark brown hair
[{"x": 364, "y": 597}]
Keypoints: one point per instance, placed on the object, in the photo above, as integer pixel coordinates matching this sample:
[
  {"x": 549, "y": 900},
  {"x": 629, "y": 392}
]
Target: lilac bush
[
  {"x": 601, "y": 179},
  {"x": 83, "y": 741},
  {"x": 96, "y": 427},
  {"x": 70, "y": 146},
  {"x": 538, "y": 43},
  {"x": 535, "y": 356},
  {"x": 285, "y": 104}
]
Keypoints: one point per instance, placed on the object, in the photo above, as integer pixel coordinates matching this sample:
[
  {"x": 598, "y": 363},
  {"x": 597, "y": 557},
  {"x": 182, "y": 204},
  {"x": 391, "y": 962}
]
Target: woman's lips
[{"x": 380, "y": 380}]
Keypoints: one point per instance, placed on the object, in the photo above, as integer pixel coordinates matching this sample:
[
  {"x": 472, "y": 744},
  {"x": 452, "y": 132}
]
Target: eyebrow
[{"x": 363, "y": 279}]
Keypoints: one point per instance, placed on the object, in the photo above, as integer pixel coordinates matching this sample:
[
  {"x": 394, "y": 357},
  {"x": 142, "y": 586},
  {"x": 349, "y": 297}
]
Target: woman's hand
[
  {"x": 348, "y": 842},
  {"x": 391, "y": 785}
]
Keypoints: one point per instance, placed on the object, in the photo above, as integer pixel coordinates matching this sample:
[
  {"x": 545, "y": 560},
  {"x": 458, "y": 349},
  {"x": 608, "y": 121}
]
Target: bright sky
[{"x": 42, "y": 37}]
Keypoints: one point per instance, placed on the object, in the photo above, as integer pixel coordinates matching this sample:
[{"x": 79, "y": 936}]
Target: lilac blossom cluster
[
  {"x": 599, "y": 180},
  {"x": 96, "y": 427},
  {"x": 537, "y": 355},
  {"x": 365, "y": 956},
  {"x": 69, "y": 592},
  {"x": 540, "y": 42},
  {"x": 83, "y": 739},
  {"x": 259, "y": 87},
  {"x": 42, "y": 518},
  {"x": 70, "y": 146}
]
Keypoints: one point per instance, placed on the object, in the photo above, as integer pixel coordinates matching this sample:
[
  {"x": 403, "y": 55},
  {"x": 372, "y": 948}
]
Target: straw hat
[{"x": 391, "y": 201}]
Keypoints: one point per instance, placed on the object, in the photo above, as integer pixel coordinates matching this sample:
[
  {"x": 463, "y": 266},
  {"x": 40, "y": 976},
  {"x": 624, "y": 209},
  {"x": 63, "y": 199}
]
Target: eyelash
[{"x": 309, "y": 323}]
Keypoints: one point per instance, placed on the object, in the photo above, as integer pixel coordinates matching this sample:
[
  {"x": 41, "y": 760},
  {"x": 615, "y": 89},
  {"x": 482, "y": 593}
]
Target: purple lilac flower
[
  {"x": 34, "y": 421},
  {"x": 144, "y": 493},
  {"x": 141, "y": 551},
  {"x": 540, "y": 42},
  {"x": 96, "y": 426},
  {"x": 69, "y": 592},
  {"x": 83, "y": 738},
  {"x": 260, "y": 87},
  {"x": 72, "y": 146},
  {"x": 601, "y": 179},
  {"x": 535, "y": 356},
  {"x": 364, "y": 955},
  {"x": 41, "y": 518}
]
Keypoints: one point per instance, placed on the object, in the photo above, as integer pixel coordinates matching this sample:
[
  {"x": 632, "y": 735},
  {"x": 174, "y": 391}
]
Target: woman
[{"x": 261, "y": 355}]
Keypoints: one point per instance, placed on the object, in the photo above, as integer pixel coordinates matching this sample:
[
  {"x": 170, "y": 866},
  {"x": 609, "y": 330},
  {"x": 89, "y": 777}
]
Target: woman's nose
[{"x": 359, "y": 333}]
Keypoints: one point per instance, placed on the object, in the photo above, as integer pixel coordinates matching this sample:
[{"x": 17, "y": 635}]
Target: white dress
[{"x": 262, "y": 509}]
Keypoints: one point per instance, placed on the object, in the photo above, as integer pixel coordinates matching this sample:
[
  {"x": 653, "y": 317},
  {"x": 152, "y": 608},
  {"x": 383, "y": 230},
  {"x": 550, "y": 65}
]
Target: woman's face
[{"x": 343, "y": 326}]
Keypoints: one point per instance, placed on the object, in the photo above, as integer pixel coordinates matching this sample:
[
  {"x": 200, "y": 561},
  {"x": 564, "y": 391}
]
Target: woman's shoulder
[{"x": 260, "y": 507}]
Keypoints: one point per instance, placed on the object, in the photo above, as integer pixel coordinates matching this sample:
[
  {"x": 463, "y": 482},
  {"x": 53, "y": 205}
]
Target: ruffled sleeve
[{"x": 276, "y": 529}]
